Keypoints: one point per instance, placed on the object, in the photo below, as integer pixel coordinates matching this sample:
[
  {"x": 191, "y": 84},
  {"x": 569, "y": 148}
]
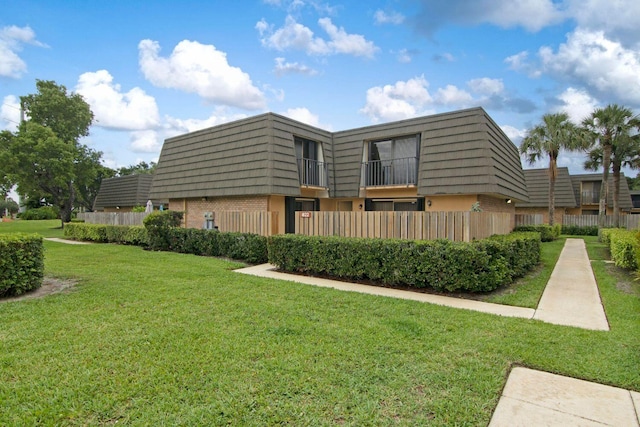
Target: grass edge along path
[{"x": 162, "y": 338}]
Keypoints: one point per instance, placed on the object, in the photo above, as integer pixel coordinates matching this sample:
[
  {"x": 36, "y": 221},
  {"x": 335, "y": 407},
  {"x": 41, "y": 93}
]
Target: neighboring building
[
  {"x": 538, "y": 188},
  {"x": 444, "y": 162},
  {"x": 123, "y": 193},
  {"x": 574, "y": 194},
  {"x": 587, "y": 189}
]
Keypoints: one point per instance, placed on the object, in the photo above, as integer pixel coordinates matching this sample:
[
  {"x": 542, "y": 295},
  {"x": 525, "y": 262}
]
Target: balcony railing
[
  {"x": 377, "y": 173},
  {"x": 590, "y": 197},
  {"x": 312, "y": 173}
]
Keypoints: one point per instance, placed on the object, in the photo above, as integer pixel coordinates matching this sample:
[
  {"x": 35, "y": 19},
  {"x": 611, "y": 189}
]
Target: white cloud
[
  {"x": 402, "y": 100},
  {"x": 133, "y": 110},
  {"x": 520, "y": 62},
  {"x": 452, "y": 95},
  {"x": 10, "y": 113},
  {"x": 220, "y": 115},
  {"x": 404, "y": 56},
  {"x": 201, "y": 69},
  {"x": 295, "y": 36},
  {"x": 145, "y": 141},
  {"x": 381, "y": 17},
  {"x": 514, "y": 134},
  {"x": 532, "y": 15},
  {"x": 12, "y": 39},
  {"x": 598, "y": 63},
  {"x": 618, "y": 19},
  {"x": 282, "y": 68},
  {"x": 486, "y": 86},
  {"x": 578, "y": 104},
  {"x": 305, "y": 116}
]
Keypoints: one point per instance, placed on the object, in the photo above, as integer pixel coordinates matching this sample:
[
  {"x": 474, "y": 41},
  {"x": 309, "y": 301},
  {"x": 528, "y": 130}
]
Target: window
[
  {"x": 392, "y": 161},
  {"x": 591, "y": 192},
  {"x": 396, "y": 205},
  {"x": 312, "y": 170}
]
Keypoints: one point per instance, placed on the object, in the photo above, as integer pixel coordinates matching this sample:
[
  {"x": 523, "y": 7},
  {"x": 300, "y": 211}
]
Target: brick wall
[
  {"x": 495, "y": 204},
  {"x": 195, "y": 208}
]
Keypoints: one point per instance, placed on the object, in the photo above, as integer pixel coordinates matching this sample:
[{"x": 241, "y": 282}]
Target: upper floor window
[
  {"x": 312, "y": 170},
  {"x": 392, "y": 161}
]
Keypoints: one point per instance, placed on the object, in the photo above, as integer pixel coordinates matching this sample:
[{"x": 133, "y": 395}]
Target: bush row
[
  {"x": 161, "y": 233},
  {"x": 577, "y": 230},
  {"x": 440, "y": 264},
  {"x": 44, "y": 212},
  {"x": 21, "y": 263},
  {"x": 624, "y": 246},
  {"x": 548, "y": 233},
  {"x": 102, "y": 233}
]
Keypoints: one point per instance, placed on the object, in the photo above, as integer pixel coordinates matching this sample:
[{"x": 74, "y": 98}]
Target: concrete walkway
[
  {"x": 69, "y": 242},
  {"x": 570, "y": 298},
  {"x": 533, "y": 398}
]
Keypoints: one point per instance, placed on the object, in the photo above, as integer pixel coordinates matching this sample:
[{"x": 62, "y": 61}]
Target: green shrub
[
  {"x": 159, "y": 225},
  {"x": 21, "y": 263},
  {"x": 44, "y": 212},
  {"x": 548, "y": 233},
  {"x": 138, "y": 208},
  {"x": 624, "y": 247},
  {"x": 440, "y": 264},
  {"x": 577, "y": 230},
  {"x": 248, "y": 247},
  {"x": 102, "y": 233},
  {"x": 604, "y": 235}
]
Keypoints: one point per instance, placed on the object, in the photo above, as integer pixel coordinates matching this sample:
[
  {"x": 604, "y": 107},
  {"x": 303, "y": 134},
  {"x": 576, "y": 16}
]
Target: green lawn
[{"x": 168, "y": 339}]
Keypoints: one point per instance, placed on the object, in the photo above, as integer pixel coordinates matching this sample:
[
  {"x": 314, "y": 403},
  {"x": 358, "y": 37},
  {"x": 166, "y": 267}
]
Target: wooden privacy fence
[
  {"x": 456, "y": 226},
  {"x": 257, "y": 222},
  {"x": 113, "y": 218},
  {"x": 630, "y": 222},
  {"x": 529, "y": 219}
]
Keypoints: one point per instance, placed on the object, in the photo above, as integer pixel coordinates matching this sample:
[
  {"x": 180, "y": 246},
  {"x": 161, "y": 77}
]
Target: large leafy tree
[
  {"x": 610, "y": 132},
  {"x": 45, "y": 157},
  {"x": 89, "y": 174},
  {"x": 547, "y": 139},
  {"x": 6, "y": 181},
  {"x": 141, "y": 168}
]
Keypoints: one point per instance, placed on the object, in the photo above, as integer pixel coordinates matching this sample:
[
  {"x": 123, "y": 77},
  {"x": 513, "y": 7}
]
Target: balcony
[
  {"x": 590, "y": 197},
  {"x": 396, "y": 172},
  {"x": 312, "y": 173}
]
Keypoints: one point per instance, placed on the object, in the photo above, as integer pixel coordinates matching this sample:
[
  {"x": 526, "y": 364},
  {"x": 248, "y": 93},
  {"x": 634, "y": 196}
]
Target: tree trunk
[
  {"x": 616, "y": 195},
  {"x": 67, "y": 206},
  {"x": 553, "y": 171},
  {"x": 606, "y": 164}
]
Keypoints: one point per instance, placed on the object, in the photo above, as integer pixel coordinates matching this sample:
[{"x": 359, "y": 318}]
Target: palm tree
[
  {"x": 554, "y": 134},
  {"x": 609, "y": 132}
]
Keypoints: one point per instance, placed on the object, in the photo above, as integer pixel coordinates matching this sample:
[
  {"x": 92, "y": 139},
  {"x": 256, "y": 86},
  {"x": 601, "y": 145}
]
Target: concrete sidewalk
[
  {"x": 533, "y": 398},
  {"x": 68, "y": 242},
  {"x": 570, "y": 298}
]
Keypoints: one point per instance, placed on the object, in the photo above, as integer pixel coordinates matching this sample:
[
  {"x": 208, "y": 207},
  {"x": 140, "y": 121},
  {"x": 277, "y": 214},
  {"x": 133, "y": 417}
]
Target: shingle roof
[
  {"x": 538, "y": 187},
  {"x": 128, "y": 190}
]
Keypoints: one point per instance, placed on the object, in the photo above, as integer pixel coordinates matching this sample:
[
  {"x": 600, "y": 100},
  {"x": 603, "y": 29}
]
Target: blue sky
[{"x": 151, "y": 70}]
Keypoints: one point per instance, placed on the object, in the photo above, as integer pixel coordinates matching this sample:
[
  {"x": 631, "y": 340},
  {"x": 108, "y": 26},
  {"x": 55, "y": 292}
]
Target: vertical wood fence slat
[{"x": 457, "y": 226}]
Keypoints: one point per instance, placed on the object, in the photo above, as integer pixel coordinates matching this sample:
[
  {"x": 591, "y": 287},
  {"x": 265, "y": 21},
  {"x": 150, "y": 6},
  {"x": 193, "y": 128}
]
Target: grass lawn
[{"x": 169, "y": 339}]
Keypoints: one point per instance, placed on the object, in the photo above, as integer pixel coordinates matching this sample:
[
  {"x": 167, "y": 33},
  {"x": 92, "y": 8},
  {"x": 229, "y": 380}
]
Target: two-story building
[{"x": 444, "y": 162}]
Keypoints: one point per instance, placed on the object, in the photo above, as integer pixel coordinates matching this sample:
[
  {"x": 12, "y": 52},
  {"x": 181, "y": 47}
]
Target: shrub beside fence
[
  {"x": 624, "y": 246},
  {"x": 440, "y": 264},
  {"x": 21, "y": 263}
]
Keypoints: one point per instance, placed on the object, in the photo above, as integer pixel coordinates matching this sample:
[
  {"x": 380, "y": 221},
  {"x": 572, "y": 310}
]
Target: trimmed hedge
[
  {"x": 102, "y": 233},
  {"x": 21, "y": 263},
  {"x": 158, "y": 225},
  {"x": 251, "y": 248},
  {"x": 624, "y": 247},
  {"x": 576, "y": 230},
  {"x": 440, "y": 264},
  {"x": 548, "y": 233}
]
